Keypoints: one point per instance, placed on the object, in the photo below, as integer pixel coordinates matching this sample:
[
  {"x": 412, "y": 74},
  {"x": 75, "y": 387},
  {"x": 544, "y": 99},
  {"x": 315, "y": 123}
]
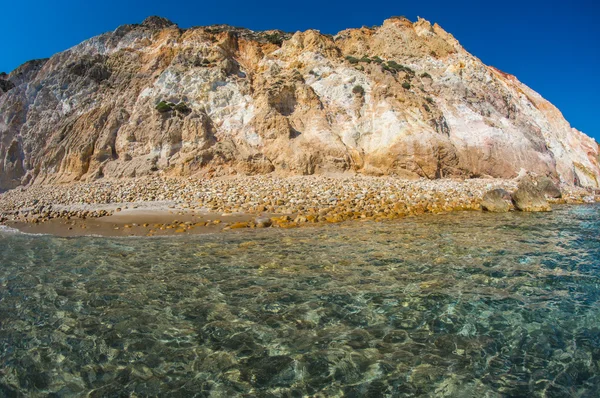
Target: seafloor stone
[
  {"x": 263, "y": 222},
  {"x": 529, "y": 197},
  {"x": 268, "y": 370},
  {"x": 497, "y": 201}
]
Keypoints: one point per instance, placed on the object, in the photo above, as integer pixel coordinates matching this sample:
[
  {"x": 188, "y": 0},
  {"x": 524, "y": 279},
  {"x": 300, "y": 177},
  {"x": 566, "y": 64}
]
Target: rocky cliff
[{"x": 399, "y": 99}]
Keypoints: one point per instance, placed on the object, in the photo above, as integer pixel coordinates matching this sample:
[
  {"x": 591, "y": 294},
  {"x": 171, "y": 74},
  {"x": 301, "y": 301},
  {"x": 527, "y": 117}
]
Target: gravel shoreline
[{"x": 288, "y": 201}]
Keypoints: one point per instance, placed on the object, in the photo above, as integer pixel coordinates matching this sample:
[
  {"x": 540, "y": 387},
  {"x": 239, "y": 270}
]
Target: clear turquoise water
[{"x": 458, "y": 305}]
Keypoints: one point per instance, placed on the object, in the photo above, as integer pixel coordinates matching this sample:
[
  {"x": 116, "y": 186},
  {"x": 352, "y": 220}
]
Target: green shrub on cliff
[
  {"x": 352, "y": 60},
  {"x": 400, "y": 68},
  {"x": 164, "y": 106},
  {"x": 394, "y": 67},
  {"x": 182, "y": 108},
  {"x": 358, "y": 90},
  {"x": 274, "y": 38},
  {"x": 406, "y": 85}
]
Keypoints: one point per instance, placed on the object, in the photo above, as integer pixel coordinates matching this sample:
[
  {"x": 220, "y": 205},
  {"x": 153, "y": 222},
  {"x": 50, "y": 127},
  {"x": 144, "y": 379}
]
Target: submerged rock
[
  {"x": 529, "y": 197},
  {"x": 497, "y": 201},
  {"x": 263, "y": 222},
  {"x": 268, "y": 371}
]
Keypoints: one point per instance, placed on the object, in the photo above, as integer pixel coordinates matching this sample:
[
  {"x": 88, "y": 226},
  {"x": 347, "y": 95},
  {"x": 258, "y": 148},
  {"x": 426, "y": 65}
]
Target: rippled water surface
[{"x": 458, "y": 305}]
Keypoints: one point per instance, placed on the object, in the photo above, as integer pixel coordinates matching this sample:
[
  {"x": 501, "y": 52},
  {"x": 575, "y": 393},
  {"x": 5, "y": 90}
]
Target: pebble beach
[{"x": 159, "y": 206}]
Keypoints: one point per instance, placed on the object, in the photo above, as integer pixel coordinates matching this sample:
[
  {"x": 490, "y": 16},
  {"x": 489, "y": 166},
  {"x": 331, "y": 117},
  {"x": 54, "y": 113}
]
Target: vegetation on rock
[
  {"x": 182, "y": 107},
  {"x": 164, "y": 106},
  {"x": 274, "y": 38},
  {"x": 352, "y": 60},
  {"x": 393, "y": 66},
  {"x": 358, "y": 90}
]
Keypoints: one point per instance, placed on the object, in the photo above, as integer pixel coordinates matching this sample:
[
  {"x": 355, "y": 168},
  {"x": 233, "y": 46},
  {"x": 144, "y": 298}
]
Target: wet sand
[{"x": 137, "y": 222}]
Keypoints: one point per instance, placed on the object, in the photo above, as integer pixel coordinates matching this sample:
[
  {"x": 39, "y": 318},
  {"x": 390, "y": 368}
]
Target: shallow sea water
[{"x": 458, "y": 305}]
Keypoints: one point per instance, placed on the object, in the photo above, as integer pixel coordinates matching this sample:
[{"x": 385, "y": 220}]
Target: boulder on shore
[
  {"x": 497, "y": 201},
  {"x": 529, "y": 197},
  {"x": 548, "y": 188}
]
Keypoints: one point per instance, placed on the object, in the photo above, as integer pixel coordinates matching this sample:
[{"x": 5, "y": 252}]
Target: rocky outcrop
[
  {"x": 497, "y": 201},
  {"x": 5, "y": 84},
  {"x": 529, "y": 197},
  {"x": 549, "y": 188},
  {"x": 399, "y": 99}
]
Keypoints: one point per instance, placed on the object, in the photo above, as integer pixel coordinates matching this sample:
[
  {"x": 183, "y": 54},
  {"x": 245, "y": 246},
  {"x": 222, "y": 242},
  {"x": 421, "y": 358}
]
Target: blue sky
[{"x": 552, "y": 46}]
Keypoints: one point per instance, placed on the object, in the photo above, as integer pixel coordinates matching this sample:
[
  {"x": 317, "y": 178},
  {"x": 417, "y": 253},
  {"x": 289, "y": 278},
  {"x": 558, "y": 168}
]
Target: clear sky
[{"x": 552, "y": 46}]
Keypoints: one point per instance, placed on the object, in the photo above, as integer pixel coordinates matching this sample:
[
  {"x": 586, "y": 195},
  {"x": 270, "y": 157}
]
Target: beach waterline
[{"x": 461, "y": 304}]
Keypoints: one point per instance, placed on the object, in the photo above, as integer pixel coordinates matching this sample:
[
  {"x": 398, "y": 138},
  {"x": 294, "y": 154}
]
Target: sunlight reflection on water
[{"x": 457, "y": 305}]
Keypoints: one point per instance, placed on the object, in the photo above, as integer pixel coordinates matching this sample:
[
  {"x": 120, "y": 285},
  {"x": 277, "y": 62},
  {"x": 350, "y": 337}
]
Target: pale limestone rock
[{"x": 262, "y": 102}]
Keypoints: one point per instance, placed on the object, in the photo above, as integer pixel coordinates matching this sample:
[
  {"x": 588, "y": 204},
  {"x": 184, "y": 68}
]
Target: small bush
[
  {"x": 426, "y": 75},
  {"x": 426, "y": 108},
  {"x": 394, "y": 66},
  {"x": 274, "y": 38},
  {"x": 164, "y": 106},
  {"x": 365, "y": 59},
  {"x": 404, "y": 68},
  {"x": 352, "y": 60},
  {"x": 429, "y": 99},
  {"x": 358, "y": 90},
  {"x": 377, "y": 60},
  {"x": 182, "y": 108},
  {"x": 406, "y": 85}
]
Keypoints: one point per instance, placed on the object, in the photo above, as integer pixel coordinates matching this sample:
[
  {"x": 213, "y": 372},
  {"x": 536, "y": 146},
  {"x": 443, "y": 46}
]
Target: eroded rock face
[{"x": 404, "y": 98}]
